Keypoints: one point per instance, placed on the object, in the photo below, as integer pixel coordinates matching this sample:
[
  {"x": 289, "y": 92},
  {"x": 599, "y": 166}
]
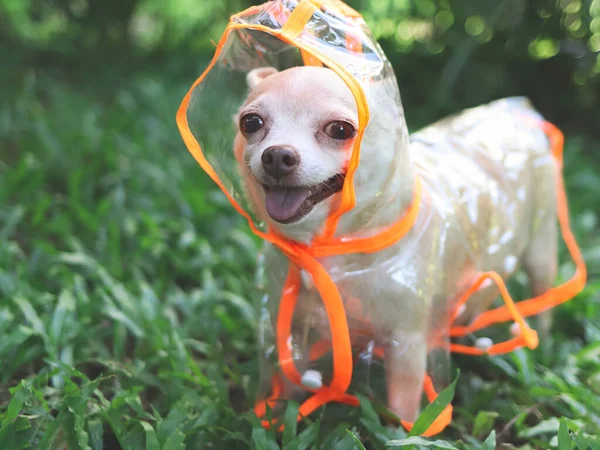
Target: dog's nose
[{"x": 280, "y": 161}]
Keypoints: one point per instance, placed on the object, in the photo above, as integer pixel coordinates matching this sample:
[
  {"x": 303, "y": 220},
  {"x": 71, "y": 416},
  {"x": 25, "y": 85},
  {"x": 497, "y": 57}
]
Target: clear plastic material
[{"x": 367, "y": 301}]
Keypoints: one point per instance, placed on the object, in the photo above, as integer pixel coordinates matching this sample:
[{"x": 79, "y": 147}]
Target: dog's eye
[
  {"x": 251, "y": 123},
  {"x": 340, "y": 130}
]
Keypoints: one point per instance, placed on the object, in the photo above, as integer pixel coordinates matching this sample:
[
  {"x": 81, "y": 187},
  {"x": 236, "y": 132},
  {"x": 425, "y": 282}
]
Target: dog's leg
[
  {"x": 540, "y": 262},
  {"x": 405, "y": 365}
]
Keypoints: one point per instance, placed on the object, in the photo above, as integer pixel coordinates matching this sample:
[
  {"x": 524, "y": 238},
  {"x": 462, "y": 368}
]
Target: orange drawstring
[
  {"x": 260, "y": 409},
  {"x": 535, "y": 305},
  {"x": 528, "y": 336},
  {"x": 284, "y": 325}
]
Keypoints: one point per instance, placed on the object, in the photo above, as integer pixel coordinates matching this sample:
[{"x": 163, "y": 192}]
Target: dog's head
[{"x": 298, "y": 127}]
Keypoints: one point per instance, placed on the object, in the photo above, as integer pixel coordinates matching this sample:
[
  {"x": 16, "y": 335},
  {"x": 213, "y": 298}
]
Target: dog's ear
[{"x": 255, "y": 76}]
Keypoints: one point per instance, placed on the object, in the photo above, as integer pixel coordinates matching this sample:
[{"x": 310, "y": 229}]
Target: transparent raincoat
[{"x": 353, "y": 310}]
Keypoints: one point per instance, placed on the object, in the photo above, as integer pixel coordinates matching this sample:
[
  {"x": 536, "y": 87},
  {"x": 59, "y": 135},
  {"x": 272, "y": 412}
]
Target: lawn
[{"x": 128, "y": 306}]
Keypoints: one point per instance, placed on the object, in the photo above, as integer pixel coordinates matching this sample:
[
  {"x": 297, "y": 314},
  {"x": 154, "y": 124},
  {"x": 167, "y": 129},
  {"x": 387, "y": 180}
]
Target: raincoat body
[
  {"x": 404, "y": 254},
  {"x": 491, "y": 177}
]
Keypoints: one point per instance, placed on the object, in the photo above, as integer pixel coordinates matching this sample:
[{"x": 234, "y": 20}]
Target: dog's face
[{"x": 299, "y": 127}]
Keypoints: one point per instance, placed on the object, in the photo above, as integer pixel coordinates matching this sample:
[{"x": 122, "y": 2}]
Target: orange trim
[
  {"x": 310, "y": 60},
  {"x": 260, "y": 409},
  {"x": 284, "y": 325},
  {"x": 353, "y": 43},
  {"x": 336, "y": 315},
  {"x": 372, "y": 244},
  {"x": 529, "y": 336},
  {"x": 298, "y": 19},
  {"x": 319, "y": 349}
]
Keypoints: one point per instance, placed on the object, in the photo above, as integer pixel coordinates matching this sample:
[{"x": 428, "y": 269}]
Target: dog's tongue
[{"x": 283, "y": 203}]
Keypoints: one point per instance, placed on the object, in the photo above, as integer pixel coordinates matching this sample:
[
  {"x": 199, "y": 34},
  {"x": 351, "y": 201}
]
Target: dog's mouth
[{"x": 289, "y": 204}]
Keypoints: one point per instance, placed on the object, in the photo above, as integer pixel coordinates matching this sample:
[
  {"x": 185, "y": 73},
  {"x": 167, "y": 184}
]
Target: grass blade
[
  {"x": 564, "y": 440},
  {"x": 32, "y": 316},
  {"x": 290, "y": 420},
  {"x": 151, "y": 439},
  {"x": 356, "y": 440},
  {"x": 490, "y": 442},
  {"x": 169, "y": 426},
  {"x": 96, "y": 431},
  {"x": 416, "y": 440},
  {"x": 434, "y": 409},
  {"x": 175, "y": 441},
  {"x": 484, "y": 422},
  {"x": 261, "y": 441},
  {"x": 306, "y": 439}
]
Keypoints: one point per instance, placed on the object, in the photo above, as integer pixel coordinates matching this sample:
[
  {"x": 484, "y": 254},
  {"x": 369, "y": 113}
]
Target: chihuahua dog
[{"x": 488, "y": 203}]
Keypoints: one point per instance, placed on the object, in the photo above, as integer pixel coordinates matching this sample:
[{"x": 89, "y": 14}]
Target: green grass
[{"x": 127, "y": 311}]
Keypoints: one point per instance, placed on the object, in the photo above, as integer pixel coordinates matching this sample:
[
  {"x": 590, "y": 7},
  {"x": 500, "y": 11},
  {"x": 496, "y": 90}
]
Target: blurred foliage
[{"x": 448, "y": 54}]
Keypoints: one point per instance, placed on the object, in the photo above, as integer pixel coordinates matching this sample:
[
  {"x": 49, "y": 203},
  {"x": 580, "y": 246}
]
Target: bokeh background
[{"x": 127, "y": 299}]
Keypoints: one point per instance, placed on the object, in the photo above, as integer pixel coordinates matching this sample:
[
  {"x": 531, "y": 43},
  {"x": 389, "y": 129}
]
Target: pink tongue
[{"x": 283, "y": 203}]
